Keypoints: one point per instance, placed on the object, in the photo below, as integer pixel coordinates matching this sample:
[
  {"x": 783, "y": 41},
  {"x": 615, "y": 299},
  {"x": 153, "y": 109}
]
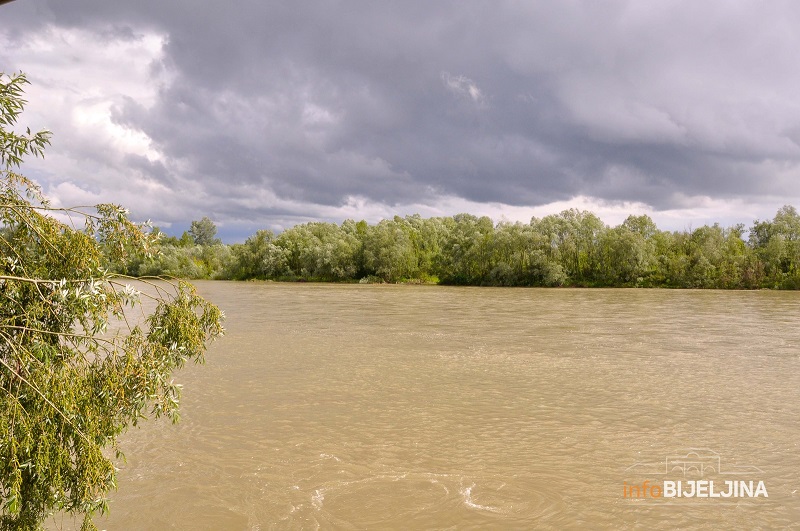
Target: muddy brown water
[{"x": 426, "y": 407}]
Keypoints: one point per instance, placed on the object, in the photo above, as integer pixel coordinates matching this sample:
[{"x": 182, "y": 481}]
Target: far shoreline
[{"x": 317, "y": 282}]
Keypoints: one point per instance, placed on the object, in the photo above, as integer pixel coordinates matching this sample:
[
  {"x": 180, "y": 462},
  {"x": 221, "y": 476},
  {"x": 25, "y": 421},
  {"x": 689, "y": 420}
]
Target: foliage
[
  {"x": 389, "y": 250},
  {"x": 258, "y": 257},
  {"x": 203, "y": 232},
  {"x": 573, "y": 248},
  {"x": 77, "y": 364}
]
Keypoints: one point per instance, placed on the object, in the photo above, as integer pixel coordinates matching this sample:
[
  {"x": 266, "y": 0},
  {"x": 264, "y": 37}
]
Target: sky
[{"x": 268, "y": 114}]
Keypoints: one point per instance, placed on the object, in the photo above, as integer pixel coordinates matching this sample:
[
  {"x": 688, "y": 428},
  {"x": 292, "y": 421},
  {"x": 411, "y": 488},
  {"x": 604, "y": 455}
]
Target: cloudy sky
[{"x": 267, "y": 114}]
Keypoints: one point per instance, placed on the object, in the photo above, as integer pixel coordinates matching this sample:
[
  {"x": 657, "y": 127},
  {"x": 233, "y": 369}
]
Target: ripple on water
[{"x": 421, "y": 499}]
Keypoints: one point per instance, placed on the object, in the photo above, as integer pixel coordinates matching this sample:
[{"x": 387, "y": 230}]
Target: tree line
[{"x": 573, "y": 248}]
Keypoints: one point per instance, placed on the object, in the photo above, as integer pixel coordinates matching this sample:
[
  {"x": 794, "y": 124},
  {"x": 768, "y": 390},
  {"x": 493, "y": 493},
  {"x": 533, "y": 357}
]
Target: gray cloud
[{"x": 314, "y": 103}]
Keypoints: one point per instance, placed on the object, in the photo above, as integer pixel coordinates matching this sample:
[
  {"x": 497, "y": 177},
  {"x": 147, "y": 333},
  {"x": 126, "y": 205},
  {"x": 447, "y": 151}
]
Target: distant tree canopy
[
  {"x": 573, "y": 248},
  {"x": 203, "y": 232},
  {"x": 78, "y": 364}
]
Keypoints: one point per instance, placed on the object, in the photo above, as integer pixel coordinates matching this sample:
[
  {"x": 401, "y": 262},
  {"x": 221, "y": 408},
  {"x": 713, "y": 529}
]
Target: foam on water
[
  {"x": 466, "y": 492},
  {"x": 318, "y": 498}
]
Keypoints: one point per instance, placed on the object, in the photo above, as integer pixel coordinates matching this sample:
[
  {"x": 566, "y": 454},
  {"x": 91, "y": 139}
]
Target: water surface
[{"x": 396, "y": 407}]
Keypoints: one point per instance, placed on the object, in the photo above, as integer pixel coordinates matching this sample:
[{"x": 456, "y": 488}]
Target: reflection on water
[{"x": 391, "y": 407}]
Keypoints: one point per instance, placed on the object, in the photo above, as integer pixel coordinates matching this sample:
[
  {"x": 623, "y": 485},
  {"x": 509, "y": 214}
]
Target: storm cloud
[{"x": 263, "y": 114}]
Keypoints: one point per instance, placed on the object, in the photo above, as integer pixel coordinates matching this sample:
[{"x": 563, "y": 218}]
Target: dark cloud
[{"x": 518, "y": 103}]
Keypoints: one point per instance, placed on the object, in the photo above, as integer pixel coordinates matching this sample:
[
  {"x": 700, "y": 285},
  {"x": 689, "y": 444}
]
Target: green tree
[
  {"x": 77, "y": 366},
  {"x": 321, "y": 251},
  {"x": 203, "y": 232},
  {"x": 574, "y": 237},
  {"x": 389, "y": 251},
  {"x": 466, "y": 250},
  {"x": 628, "y": 251},
  {"x": 186, "y": 240},
  {"x": 258, "y": 257}
]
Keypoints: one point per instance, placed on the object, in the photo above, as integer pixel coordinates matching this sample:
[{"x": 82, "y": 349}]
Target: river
[{"x": 426, "y": 407}]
